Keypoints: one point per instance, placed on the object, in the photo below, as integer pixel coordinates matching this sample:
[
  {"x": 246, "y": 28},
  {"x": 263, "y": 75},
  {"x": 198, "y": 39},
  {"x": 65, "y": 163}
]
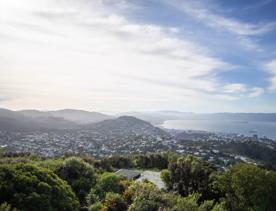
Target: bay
[{"x": 248, "y": 128}]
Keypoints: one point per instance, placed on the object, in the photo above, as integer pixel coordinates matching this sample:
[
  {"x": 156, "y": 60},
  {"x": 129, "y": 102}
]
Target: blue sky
[{"x": 146, "y": 55}]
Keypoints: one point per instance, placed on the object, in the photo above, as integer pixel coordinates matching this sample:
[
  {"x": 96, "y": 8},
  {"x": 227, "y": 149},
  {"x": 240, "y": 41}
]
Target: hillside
[
  {"x": 17, "y": 121},
  {"x": 127, "y": 125},
  {"x": 32, "y": 120},
  {"x": 77, "y": 116},
  {"x": 86, "y": 183}
]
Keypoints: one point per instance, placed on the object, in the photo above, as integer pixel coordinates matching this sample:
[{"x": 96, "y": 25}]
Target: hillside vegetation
[{"x": 84, "y": 183}]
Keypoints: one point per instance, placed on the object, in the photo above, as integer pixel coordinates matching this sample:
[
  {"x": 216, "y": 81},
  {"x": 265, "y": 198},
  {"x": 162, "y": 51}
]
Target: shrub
[
  {"x": 79, "y": 175},
  {"x": 248, "y": 187},
  {"x": 189, "y": 175},
  {"x": 98, "y": 206},
  {"x": 115, "y": 202},
  {"x": 28, "y": 187},
  {"x": 108, "y": 182}
]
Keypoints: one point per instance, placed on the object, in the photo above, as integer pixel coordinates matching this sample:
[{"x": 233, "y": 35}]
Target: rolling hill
[
  {"x": 77, "y": 116},
  {"x": 127, "y": 125}
]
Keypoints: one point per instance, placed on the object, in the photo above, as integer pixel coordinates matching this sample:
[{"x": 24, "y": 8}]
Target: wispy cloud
[
  {"x": 273, "y": 83},
  {"x": 210, "y": 14},
  {"x": 238, "y": 90},
  {"x": 270, "y": 67},
  {"x": 235, "y": 88},
  {"x": 201, "y": 11},
  {"x": 258, "y": 5},
  {"x": 97, "y": 48},
  {"x": 90, "y": 53},
  {"x": 256, "y": 91}
]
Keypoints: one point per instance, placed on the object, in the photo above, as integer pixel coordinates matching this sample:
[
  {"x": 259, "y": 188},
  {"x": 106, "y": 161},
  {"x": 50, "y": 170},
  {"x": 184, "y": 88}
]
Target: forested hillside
[{"x": 85, "y": 183}]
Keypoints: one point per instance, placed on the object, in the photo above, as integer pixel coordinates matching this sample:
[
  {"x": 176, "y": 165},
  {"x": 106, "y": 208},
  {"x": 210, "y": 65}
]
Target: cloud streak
[
  {"x": 203, "y": 13},
  {"x": 208, "y": 13},
  {"x": 91, "y": 53},
  {"x": 270, "y": 67}
]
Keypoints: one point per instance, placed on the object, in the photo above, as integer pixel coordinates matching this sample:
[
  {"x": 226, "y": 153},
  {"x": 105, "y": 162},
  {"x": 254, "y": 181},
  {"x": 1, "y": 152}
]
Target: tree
[
  {"x": 121, "y": 161},
  {"x": 248, "y": 187},
  {"x": 219, "y": 207},
  {"x": 51, "y": 164},
  {"x": 7, "y": 207},
  {"x": 190, "y": 203},
  {"x": 100, "y": 166},
  {"x": 108, "y": 182},
  {"x": 145, "y": 197},
  {"x": 165, "y": 177},
  {"x": 28, "y": 187},
  {"x": 153, "y": 160},
  {"x": 189, "y": 175},
  {"x": 79, "y": 175},
  {"x": 92, "y": 198},
  {"x": 115, "y": 202},
  {"x": 98, "y": 206}
]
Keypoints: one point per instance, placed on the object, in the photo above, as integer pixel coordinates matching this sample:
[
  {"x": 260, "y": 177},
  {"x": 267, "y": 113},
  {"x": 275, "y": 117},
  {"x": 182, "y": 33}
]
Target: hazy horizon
[
  {"x": 119, "y": 56},
  {"x": 133, "y": 111}
]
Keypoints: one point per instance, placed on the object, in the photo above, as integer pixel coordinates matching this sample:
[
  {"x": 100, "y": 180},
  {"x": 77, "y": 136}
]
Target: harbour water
[{"x": 248, "y": 128}]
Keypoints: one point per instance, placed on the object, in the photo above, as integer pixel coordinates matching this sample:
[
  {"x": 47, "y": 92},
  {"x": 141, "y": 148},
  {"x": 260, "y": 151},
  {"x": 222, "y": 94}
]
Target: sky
[{"x": 138, "y": 55}]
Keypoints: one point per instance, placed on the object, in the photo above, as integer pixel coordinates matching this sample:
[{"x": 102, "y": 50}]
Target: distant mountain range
[
  {"x": 76, "y": 116},
  {"x": 131, "y": 122},
  {"x": 27, "y": 120},
  {"x": 16, "y": 121},
  {"x": 159, "y": 117},
  {"x": 33, "y": 120}
]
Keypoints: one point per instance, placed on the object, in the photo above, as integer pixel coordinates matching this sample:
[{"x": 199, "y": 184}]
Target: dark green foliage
[
  {"x": 147, "y": 161},
  {"x": 121, "y": 161},
  {"x": 108, "y": 182},
  {"x": 147, "y": 197},
  {"x": 171, "y": 156},
  {"x": 7, "y": 207},
  {"x": 98, "y": 206},
  {"x": 100, "y": 166},
  {"x": 114, "y": 202},
  {"x": 219, "y": 207},
  {"x": 104, "y": 165},
  {"x": 159, "y": 161},
  {"x": 189, "y": 175},
  {"x": 193, "y": 185},
  {"x": 10, "y": 160},
  {"x": 142, "y": 161},
  {"x": 28, "y": 187},
  {"x": 79, "y": 175},
  {"x": 165, "y": 177},
  {"x": 51, "y": 164},
  {"x": 190, "y": 203},
  {"x": 92, "y": 198},
  {"x": 248, "y": 187}
]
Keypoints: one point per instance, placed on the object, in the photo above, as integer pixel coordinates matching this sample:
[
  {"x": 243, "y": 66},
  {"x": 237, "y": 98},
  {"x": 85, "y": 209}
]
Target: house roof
[{"x": 130, "y": 174}]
